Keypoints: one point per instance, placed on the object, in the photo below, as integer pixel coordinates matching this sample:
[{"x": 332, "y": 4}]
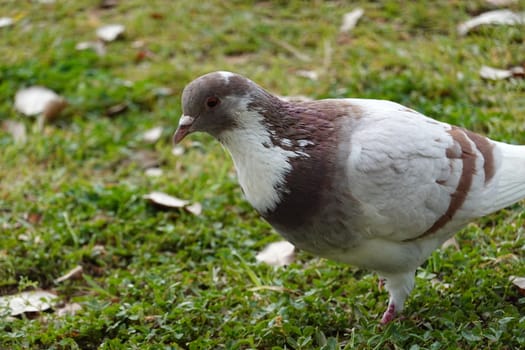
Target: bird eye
[{"x": 212, "y": 101}]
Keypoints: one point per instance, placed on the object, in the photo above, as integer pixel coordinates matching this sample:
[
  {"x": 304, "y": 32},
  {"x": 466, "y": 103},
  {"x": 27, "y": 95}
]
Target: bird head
[{"x": 214, "y": 103}]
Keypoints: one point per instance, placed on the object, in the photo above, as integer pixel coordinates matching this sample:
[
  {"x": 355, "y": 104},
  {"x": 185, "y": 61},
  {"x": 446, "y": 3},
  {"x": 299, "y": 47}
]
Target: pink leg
[{"x": 389, "y": 314}]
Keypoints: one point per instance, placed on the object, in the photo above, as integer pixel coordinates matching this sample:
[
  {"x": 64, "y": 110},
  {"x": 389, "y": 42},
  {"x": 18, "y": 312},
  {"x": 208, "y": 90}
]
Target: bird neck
[{"x": 262, "y": 165}]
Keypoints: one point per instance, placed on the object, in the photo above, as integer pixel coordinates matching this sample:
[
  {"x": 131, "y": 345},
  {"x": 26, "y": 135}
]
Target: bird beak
[{"x": 185, "y": 124}]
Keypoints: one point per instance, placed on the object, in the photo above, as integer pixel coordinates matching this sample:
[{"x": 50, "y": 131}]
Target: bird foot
[{"x": 389, "y": 314}]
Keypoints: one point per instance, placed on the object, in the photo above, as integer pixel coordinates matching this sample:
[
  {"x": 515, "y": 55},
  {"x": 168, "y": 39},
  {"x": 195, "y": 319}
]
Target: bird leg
[
  {"x": 389, "y": 314},
  {"x": 399, "y": 287}
]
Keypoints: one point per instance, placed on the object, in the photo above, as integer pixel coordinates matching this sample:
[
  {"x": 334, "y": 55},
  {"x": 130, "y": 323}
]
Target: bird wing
[{"x": 415, "y": 176}]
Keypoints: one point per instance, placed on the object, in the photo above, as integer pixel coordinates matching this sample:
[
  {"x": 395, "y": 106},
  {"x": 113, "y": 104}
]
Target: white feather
[
  {"x": 261, "y": 169},
  {"x": 226, "y": 75},
  {"x": 510, "y": 187}
]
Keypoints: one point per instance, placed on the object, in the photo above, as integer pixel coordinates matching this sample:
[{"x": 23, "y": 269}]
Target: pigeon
[{"x": 365, "y": 182}]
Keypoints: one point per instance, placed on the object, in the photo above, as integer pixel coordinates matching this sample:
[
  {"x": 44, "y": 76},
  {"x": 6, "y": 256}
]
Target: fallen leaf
[
  {"x": 74, "y": 273},
  {"x": 6, "y": 22},
  {"x": 96, "y": 46},
  {"x": 496, "y": 17},
  {"x": 156, "y": 15},
  {"x": 33, "y": 218},
  {"x": 98, "y": 250},
  {"x": 292, "y": 49},
  {"x": 163, "y": 91},
  {"x": 152, "y": 318},
  {"x": 238, "y": 58},
  {"x": 138, "y": 44},
  {"x": 309, "y": 74},
  {"x": 195, "y": 208},
  {"x": 153, "y": 172},
  {"x": 518, "y": 282},
  {"x": 143, "y": 54},
  {"x": 36, "y": 239},
  {"x": 152, "y": 135},
  {"x": 37, "y": 100},
  {"x": 490, "y": 73},
  {"x": 110, "y": 32},
  {"x": 178, "y": 150},
  {"x": 33, "y": 301},
  {"x": 116, "y": 109},
  {"x": 16, "y": 129},
  {"x": 277, "y": 254},
  {"x": 165, "y": 200},
  {"x": 279, "y": 289},
  {"x": 439, "y": 284},
  {"x": 490, "y": 261},
  {"x": 69, "y": 309},
  {"x": 53, "y": 109},
  {"x": 350, "y": 20},
  {"x": 451, "y": 242},
  {"x": 146, "y": 158}
]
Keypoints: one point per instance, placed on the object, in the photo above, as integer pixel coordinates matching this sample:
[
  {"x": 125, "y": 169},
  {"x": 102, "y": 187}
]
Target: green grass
[{"x": 168, "y": 279}]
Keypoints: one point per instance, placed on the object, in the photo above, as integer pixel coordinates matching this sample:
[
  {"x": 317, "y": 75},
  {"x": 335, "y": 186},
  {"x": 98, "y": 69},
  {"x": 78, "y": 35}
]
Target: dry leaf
[
  {"x": 496, "y": 17},
  {"x": 110, "y": 32},
  {"x": 350, "y": 20},
  {"x": 178, "y": 150},
  {"x": 439, "y": 284},
  {"x": 53, "y": 109},
  {"x": 277, "y": 254},
  {"x": 116, "y": 109},
  {"x": 69, "y": 309},
  {"x": 490, "y": 73},
  {"x": 157, "y": 15},
  {"x": 146, "y": 158},
  {"x": 451, "y": 242},
  {"x": 16, "y": 129},
  {"x": 195, "y": 208},
  {"x": 98, "y": 250},
  {"x": 518, "y": 282},
  {"x": 153, "y": 172},
  {"x": 238, "y": 59},
  {"x": 273, "y": 289},
  {"x": 37, "y": 100},
  {"x": 138, "y": 44},
  {"x": 6, "y": 22},
  {"x": 293, "y": 50},
  {"x": 152, "y": 135},
  {"x": 163, "y": 91},
  {"x": 310, "y": 74},
  {"x": 165, "y": 200},
  {"x": 96, "y": 46},
  {"x": 33, "y": 218},
  {"x": 74, "y": 273},
  {"x": 33, "y": 301},
  {"x": 30, "y": 237}
]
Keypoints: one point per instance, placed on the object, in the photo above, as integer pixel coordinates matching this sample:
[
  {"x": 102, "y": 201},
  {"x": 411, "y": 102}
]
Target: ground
[{"x": 72, "y": 194}]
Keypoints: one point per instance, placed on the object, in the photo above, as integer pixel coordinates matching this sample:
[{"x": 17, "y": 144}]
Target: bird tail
[{"x": 510, "y": 186}]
